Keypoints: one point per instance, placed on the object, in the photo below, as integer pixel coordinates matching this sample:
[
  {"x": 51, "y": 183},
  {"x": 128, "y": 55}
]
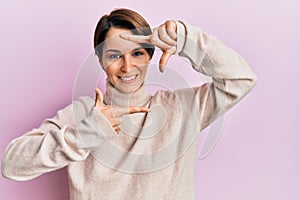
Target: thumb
[
  {"x": 99, "y": 98},
  {"x": 164, "y": 59}
]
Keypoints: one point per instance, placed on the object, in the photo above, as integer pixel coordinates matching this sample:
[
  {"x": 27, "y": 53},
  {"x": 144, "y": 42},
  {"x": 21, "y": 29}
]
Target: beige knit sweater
[{"x": 153, "y": 157}]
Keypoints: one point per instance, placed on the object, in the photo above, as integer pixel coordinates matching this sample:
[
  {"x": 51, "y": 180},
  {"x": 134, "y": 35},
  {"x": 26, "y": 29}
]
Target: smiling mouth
[{"x": 128, "y": 79}]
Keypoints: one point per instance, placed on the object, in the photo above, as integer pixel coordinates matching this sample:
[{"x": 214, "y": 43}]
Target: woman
[{"x": 127, "y": 144}]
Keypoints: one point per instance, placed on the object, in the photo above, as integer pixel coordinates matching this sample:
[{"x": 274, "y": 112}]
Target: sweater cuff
[{"x": 181, "y": 35}]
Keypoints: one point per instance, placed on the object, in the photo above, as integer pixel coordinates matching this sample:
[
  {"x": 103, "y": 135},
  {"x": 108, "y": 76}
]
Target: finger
[
  {"x": 155, "y": 40},
  {"x": 164, "y": 36},
  {"x": 137, "y": 109},
  {"x": 117, "y": 129},
  {"x": 99, "y": 98},
  {"x": 119, "y": 112},
  {"x": 116, "y": 121},
  {"x": 171, "y": 28},
  {"x": 136, "y": 38},
  {"x": 164, "y": 59}
]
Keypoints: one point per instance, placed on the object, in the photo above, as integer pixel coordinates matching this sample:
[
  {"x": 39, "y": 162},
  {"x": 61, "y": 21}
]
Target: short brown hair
[{"x": 122, "y": 18}]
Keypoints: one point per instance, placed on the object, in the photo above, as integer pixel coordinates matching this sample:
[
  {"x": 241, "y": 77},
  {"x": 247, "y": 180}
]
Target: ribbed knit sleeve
[
  {"x": 232, "y": 78},
  {"x": 65, "y": 138}
]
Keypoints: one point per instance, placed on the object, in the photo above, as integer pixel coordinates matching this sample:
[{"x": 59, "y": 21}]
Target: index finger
[
  {"x": 136, "y": 38},
  {"x": 137, "y": 109},
  {"x": 131, "y": 110}
]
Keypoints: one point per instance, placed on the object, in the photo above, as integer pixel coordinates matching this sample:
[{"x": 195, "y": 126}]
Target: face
[{"x": 124, "y": 62}]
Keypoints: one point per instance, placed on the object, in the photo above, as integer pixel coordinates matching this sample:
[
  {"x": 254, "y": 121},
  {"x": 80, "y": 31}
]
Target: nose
[{"x": 127, "y": 64}]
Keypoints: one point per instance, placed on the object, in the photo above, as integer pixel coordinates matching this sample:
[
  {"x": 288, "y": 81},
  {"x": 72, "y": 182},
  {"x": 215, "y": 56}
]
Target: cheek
[
  {"x": 144, "y": 69},
  {"x": 112, "y": 69},
  {"x": 110, "y": 74}
]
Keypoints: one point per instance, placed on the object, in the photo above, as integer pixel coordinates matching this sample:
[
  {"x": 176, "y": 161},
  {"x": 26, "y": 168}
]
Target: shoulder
[
  {"x": 170, "y": 98},
  {"x": 179, "y": 94},
  {"x": 164, "y": 95},
  {"x": 186, "y": 99}
]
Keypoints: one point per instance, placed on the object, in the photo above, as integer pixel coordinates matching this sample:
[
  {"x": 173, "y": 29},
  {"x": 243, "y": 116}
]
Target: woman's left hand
[{"x": 164, "y": 37}]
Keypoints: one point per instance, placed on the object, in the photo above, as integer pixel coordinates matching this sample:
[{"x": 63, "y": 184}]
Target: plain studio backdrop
[{"x": 44, "y": 44}]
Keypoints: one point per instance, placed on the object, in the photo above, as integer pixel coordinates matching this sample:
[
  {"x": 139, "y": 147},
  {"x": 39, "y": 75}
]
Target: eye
[
  {"x": 114, "y": 56},
  {"x": 137, "y": 53}
]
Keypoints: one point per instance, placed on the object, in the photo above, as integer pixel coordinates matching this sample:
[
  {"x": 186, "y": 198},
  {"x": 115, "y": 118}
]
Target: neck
[{"x": 113, "y": 96}]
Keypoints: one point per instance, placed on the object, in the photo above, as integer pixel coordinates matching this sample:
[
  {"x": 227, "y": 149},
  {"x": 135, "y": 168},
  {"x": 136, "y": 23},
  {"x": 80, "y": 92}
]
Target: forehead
[{"x": 113, "y": 41}]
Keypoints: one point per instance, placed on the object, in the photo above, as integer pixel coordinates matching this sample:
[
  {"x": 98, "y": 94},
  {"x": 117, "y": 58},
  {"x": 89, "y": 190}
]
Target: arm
[
  {"x": 231, "y": 75},
  {"x": 57, "y": 142}
]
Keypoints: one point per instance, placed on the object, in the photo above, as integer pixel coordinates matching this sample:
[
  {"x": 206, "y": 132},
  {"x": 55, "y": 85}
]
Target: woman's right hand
[{"x": 114, "y": 114}]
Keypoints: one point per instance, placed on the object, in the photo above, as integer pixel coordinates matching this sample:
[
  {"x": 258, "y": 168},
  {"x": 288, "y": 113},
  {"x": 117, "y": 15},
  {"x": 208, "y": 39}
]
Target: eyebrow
[
  {"x": 138, "y": 48},
  {"x": 117, "y": 51},
  {"x": 112, "y": 50}
]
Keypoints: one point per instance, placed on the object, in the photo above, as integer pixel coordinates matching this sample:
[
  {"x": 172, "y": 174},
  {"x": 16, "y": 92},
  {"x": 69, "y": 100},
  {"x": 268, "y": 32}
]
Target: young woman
[{"x": 127, "y": 144}]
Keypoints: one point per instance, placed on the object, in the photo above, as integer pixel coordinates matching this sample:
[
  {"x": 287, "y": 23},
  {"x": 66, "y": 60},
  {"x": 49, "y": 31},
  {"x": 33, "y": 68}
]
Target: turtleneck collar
[{"x": 115, "y": 97}]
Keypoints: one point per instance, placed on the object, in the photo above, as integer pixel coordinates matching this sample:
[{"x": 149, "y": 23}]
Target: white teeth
[{"x": 128, "y": 78}]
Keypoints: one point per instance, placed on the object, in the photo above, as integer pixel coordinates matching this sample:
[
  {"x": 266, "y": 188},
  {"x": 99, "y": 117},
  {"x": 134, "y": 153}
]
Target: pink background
[{"x": 43, "y": 45}]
